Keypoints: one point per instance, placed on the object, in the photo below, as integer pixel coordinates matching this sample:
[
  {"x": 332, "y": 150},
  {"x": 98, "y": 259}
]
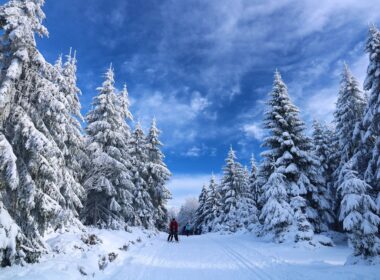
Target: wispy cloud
[
  {"x": 254, "y": 130},
  {"x": 184, "y": 186},
  {"x": 204, "y": 68}
]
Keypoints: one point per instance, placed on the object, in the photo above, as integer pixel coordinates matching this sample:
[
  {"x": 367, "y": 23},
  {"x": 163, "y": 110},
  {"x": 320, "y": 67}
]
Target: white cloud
[
  {"x": 183, "y": 186},
  {"x": 199, "y": 103},
  {"x": 176, "y": 116},
  {"x": 254, "y": 130},
  {"x": 193, "y": 152},
  {"x": 200, "y": 150},
  {"x": 321, "y": 105},
  {"x": 230, "y": 39}
]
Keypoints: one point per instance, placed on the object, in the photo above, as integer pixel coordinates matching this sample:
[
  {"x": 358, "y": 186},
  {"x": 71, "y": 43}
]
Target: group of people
[{"x": 173, "y": 230}]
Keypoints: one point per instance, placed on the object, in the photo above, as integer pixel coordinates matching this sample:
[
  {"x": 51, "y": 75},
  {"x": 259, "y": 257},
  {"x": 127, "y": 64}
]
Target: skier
[
  {"x": 173, "y": 230},
  {"x": 187, "y": 229}
]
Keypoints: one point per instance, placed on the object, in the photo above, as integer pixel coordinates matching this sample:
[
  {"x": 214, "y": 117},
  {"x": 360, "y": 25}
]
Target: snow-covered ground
[{"x": 212, "y": 256}]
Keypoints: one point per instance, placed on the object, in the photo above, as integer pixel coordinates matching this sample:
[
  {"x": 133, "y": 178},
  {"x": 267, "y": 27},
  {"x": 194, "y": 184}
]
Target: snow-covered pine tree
[
  {"x": 234, "y": 184},
  {"x": 31, "y": 113},
  {"x": 366, "y": 159},
  {"x": 187, "y": 212},
  {"x": 212, "y": 205},
  {"x": 254, "y": 187},
  {"x": 349, "y": 111},
  {"x": 348, "y": 114},
  {"x": 158, "y": 175},
  {"x": 10, "y": 234},
  {"x": 142, "y": 202},
  {"x": 200, "y": 214},
  {"x": 304, "y": 230},
  {"x": 276, "y": 215},
  {"x": 124, "y": 104},
  {"x": 68, "y": 131},
  {"x": 246, "y": 204},
  {"x": 289, "y": 153},
  {"x": 108, "y": 183},
  {"x": 324, "y": 152},
  {"x": 359, "y": 213}
]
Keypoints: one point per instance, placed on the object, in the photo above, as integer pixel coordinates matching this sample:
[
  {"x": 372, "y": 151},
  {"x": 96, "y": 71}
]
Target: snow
[{"x": 209, "y": 256}]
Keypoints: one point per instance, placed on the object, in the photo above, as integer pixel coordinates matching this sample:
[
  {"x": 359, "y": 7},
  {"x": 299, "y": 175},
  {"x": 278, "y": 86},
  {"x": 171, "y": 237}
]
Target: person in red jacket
[{"x": 173, "y": 230}]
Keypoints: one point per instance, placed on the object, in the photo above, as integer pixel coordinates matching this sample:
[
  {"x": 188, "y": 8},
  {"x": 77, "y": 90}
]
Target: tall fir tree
[
  {"x": 108, "y": 183},
  {"x": 32, "y": 110},
  {"x": 142, "y": 202},
  {"x": 348, "y": 114},
  {"x": 254, "y": 186},
  {"x": 200, "y": 214},
  {"x": 232, "y": 188},
  {"x": 158, "y": 175},
  {"x": 276, "y": 215},
  {"x": 324, "y": 152},
  {"x": 289, "y": 154},
  {"x": 246, "y": 203},
  {"x": 212, "y": 205},
  {"x": 359, "y": 213},
  {"x": 366, "y": 160}
]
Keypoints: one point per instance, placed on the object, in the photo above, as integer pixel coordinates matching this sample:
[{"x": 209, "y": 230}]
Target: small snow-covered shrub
[{"x": 91, "y": 239}]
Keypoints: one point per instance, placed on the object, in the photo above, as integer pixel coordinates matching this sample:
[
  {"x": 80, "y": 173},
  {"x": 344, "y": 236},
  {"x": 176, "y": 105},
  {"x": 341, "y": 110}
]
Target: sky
[{"x": 204, "y": 68}]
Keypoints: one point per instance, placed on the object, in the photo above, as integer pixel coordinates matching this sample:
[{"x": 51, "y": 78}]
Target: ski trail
[
  {"x": 244, "y": 262},
  {"x": 192, "y": 258}
]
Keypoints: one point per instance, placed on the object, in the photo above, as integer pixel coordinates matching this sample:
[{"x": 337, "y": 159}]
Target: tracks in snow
[{"x": 244, "y": 262}]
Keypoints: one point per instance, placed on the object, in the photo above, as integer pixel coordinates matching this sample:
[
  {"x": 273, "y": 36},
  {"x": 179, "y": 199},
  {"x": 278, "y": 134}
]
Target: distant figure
[
  {"x": 173, "y": 230},
  {"x": 187, "y": 229}
]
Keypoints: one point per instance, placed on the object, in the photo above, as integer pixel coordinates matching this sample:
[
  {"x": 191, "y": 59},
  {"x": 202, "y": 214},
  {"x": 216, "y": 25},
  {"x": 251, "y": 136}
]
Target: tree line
[
  {"x": 55, "y": 174},
  {"x": 308, "y": 185}
]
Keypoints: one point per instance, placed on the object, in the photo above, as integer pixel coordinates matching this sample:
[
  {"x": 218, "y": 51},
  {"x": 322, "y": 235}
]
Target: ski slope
[
  {"x": 238, "y": 257},
  {"x": 211, "y": 256}
]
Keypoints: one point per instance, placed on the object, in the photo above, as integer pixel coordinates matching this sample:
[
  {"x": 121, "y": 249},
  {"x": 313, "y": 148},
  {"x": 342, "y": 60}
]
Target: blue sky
[{"x": 204, "y": 68}]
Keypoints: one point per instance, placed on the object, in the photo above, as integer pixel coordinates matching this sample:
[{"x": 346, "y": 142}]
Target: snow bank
[{"x": 71, "y": 258}]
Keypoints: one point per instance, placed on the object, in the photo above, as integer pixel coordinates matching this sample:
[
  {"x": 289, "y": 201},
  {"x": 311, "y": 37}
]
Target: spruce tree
[
  {"x": 366, "y": 159},
  {"x": 289, "y": 154},
  {"x": 200, "y": 214},
  {"x": 108, "y": 182},
  {"x": 142, "y": 202},
  {"x": 232, "y": 188},
  {"x": 254, "y": 186},
  {"x": 246, "y": 204},
  {"x": 32, "y": 111},
  {"x": 276, "y": 215},
  {"x": 212, "y": 205},
  {"x": 359, "y": 213},
  {"x": 324, "y": 151},
  {"x": 158, "y": 175},
  {"x": 348, "y": 113}
]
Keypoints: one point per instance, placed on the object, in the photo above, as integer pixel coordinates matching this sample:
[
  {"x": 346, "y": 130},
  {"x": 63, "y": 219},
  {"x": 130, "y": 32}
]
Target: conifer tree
[
  {"x": 158, "y": 175},
  {"x": 200, "y": 214},
  {"x": 347, "y": 116},
  {"x": 276, "y": 215},
  {"x": 212, "y": 205},
  {"x": 359, "y": 213},
  {"x": 246, "y": 204},
  {"x": 108, "y": 183},
  {"x": 349, "y": 111},
  {"x": 124, "y": 104},
  {"x": 324, "y": 152},
  {"x": 142, "y": 202},
  {"x": 254, "y": 187},
  {"x": 232, "y": 188},
  {"x": 289, "y": 154},
  {"x": 32, "y": 110},
  {"x": 366, "y": 159}
]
